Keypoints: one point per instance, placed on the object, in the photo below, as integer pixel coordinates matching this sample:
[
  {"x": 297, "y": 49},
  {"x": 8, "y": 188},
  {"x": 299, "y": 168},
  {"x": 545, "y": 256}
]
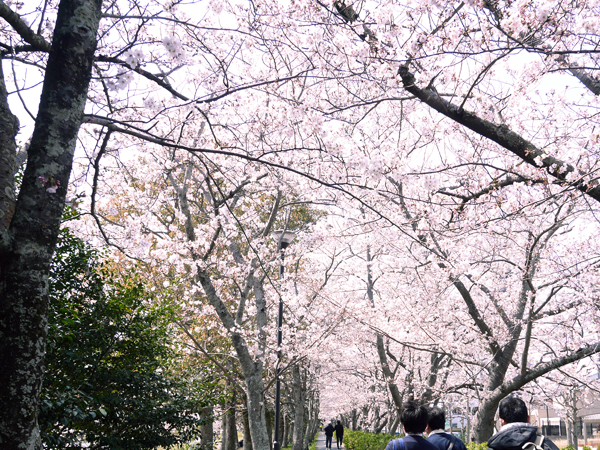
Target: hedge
[
  {"x": 359, "y": 440},
  {"x": 474, "y": 446}
]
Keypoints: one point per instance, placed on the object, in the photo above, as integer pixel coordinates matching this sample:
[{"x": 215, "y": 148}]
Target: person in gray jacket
[{"x": 516, "y": 433}]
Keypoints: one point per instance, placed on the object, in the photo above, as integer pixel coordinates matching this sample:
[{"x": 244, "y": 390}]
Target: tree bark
[
  {"x": 299, "y": 399},
  {"x": 572, "y": 420},
  {"x": 206, "y": 429},
  {"x": 484, "y": 420},
  {"x": 253, "y": 370},
  {"x": 394, "y": 425},
  {"x": 27, "y": 246},
  {"x": 270, "y": 416},
  {"x": 387, "y": 373},
  {"x": 247, "y": 435},
  {"x": 354, "y": 420},
  {"x": 501, "y": 134},
  {"x": 285, "y": 424},
  {"x": 381, "y": 425},
  {"x": 313, "y": 421},
  {"x": 230, "y": 438},
  {"x": 9, "y": 126}
]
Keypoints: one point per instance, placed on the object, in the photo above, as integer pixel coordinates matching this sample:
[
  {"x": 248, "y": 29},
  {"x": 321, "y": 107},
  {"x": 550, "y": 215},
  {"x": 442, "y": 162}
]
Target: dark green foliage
[
  {"x": 360, "y": 440},
  {"x": 109, "y": 377}
]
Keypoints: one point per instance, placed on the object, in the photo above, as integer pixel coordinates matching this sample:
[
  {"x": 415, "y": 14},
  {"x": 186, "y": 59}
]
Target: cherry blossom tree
[
  {"x": 30, "y": 227},
  {"x": 63, "y": 44},
  {"x": 481, "y": 68},
  {"x": 456, "y": 141},
  {"x": 487, "y": 296}
]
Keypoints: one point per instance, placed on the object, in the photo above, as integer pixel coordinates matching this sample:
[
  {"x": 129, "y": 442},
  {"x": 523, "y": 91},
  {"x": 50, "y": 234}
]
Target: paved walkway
[{"x": 321, "y": 442}]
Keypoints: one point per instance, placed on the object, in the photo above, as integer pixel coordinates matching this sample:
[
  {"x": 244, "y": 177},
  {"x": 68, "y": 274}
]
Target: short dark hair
[
  {"x": 513, "y": 409},
  {"x": 436, "y": 418},
  {"x": 413, "y": 416}
]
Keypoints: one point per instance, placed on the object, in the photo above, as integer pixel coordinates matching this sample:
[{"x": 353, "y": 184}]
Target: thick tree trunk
[
  {"x": 253, "y": 370},
  {"x": 224, "y": 430},
  {"x": 570, "y": 429},
  {"x": 284, "y": 431},
  {"x": 483, "y": 427},
  {"x": 572, "y": 421},
  {"x": 256, "y": 411},
  {"x": 247, "y": 436},
  {"x": 230, "y": 437},
  {"x": 394, "y": 426},
  {"x": 299, "y": 399},
  {"x": 26, "y": 248},
  {"x": 312, "y": 422},
  {"x": 9, "y": 126},
  {"x": 468, "y": 414},
  {"x": 206, "y": 429},
  {"x": 364, "y": 422},
  {"x": 288, "y": 427},
  {"x": 381, "y": 423},
  {"x": 270, "y": 417},
  {"x": 229, "y": 440}
]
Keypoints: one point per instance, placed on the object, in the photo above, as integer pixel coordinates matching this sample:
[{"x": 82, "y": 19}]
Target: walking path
[{"x": 321, "y": 442}]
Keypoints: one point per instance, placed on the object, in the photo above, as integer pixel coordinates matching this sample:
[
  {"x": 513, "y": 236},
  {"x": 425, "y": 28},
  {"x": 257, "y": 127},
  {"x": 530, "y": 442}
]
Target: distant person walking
[
  {"x": 437, "y": 434},
  {"x": 413, "y": 417},
  {"x": 339, "y": 434},
  {"x": 516, "y": 432},
  {"x": 328, "y": 435}
]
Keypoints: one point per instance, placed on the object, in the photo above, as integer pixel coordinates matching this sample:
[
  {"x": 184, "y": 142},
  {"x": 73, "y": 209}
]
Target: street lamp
[{"x": 283, "y": 240}]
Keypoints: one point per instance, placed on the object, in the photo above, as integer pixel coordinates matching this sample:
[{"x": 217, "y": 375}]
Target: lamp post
[{"x": 283, "y": 238}]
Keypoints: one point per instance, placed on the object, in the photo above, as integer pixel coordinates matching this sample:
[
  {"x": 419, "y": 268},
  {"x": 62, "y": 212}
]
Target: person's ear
[
  {"x": 528, "y": 419},
  {"x": 502, "y": 422}
]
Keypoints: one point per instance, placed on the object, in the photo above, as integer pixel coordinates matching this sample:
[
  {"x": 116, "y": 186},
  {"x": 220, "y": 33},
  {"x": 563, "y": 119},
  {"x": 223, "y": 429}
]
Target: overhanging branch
[{"x": 500, "y": 134}]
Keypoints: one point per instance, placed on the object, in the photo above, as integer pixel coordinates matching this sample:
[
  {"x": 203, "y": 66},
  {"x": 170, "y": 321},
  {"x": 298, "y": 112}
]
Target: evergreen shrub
[
  {"x": 360, "y": 440},
  {"x": 474, "y": 446}
]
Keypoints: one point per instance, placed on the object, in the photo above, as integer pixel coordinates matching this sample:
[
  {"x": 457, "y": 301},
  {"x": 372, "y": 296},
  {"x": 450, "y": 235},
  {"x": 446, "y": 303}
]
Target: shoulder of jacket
[{"x": 547, "y": 443}]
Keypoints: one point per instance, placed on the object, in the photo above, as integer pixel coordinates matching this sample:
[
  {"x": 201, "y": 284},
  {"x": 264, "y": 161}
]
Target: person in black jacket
[
  {"x": 339, "y": 434},
  {"x": 516, "y": 433},
  {"x": 328, "y": 435},
  {"x": 413, "y": 417},
  {"x": 437, "y": 434}
]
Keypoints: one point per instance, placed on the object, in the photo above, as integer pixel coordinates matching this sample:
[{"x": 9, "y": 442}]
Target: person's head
[
  {"x": 436, "y": 418},
  {"x": 413, "y": 416},
  {"x": 513, "y": 409},
  {"x": 338, "y": 422}
]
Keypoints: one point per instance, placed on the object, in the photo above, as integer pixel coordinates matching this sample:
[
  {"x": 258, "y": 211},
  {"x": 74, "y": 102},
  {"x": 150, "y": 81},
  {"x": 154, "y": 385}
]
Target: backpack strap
[
  {"x": 537, "y": 444},
  {"x": 452, "y": 442},
  {"x": 401, "y": 444}
]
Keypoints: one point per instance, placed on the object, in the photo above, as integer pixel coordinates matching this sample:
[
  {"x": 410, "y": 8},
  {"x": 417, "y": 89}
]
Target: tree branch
[
  {"x": 26, "y": 33},
  {"x": 500, "y": 134}
]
